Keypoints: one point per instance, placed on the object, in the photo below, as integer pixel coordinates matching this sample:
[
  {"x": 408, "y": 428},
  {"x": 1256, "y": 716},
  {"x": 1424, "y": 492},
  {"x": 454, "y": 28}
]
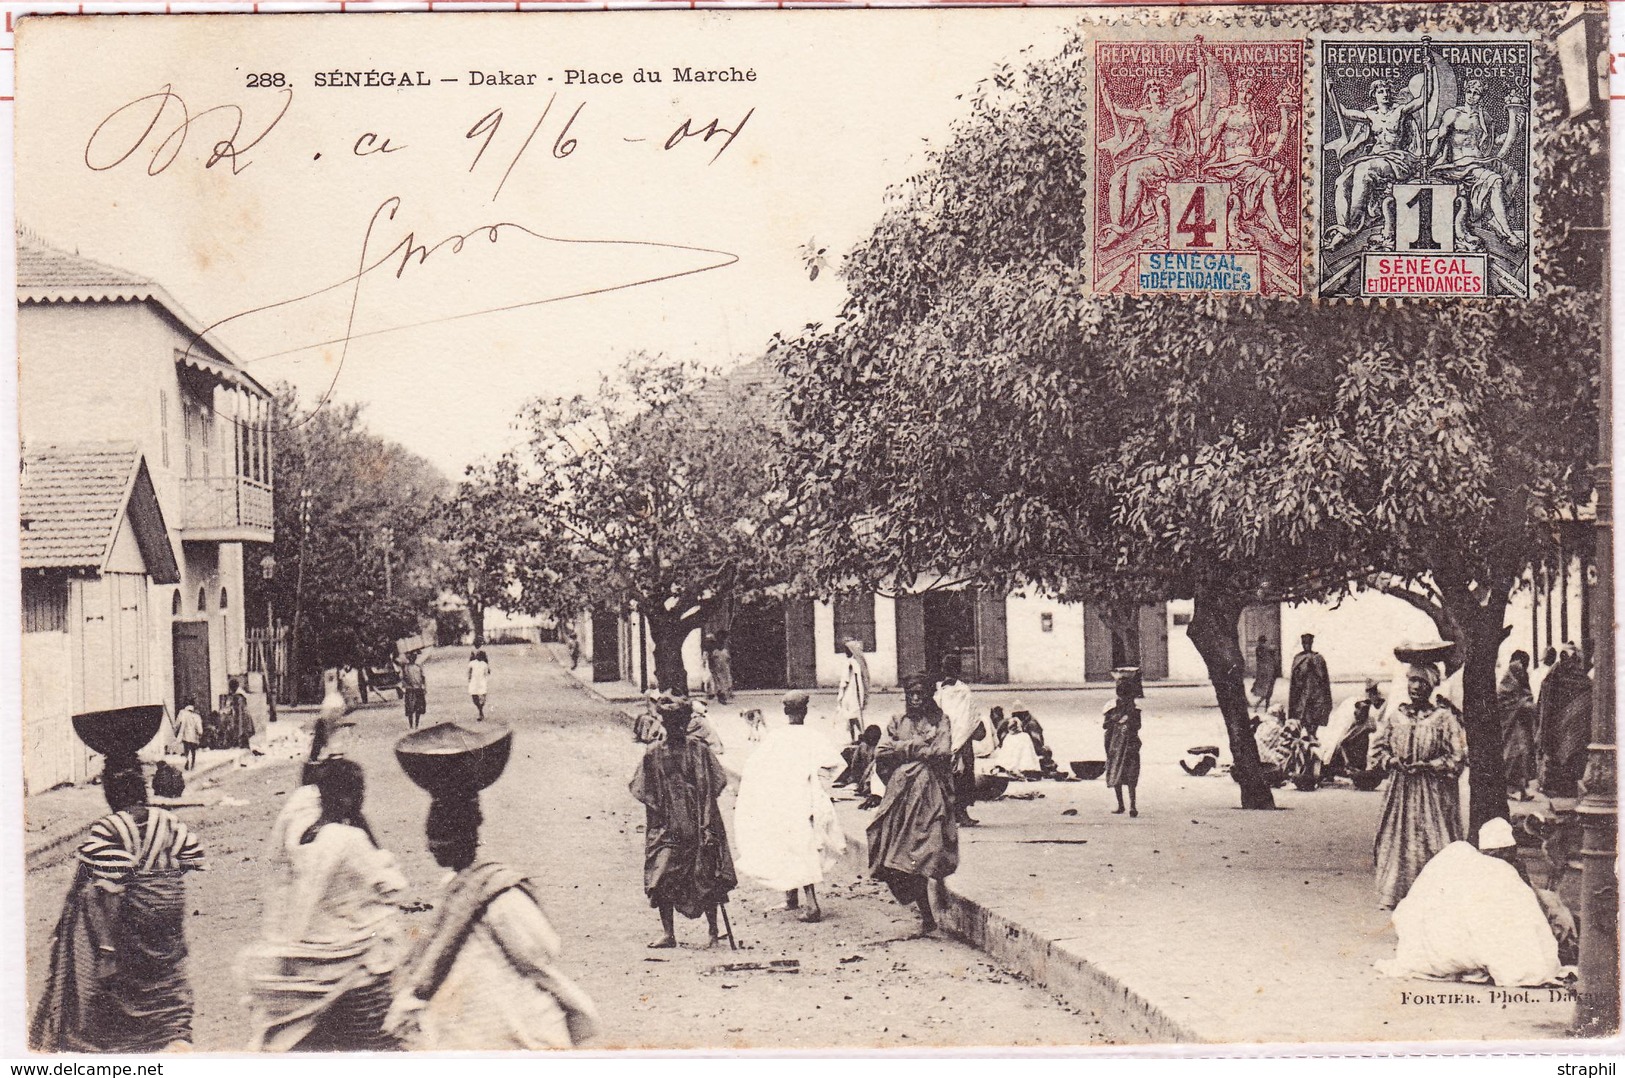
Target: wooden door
[
  {"x": 800, "y": 646},
  {"x": 757, "y": 645},
  {"x": 910, "y": 615},
  {"x": 992, "y": 638},
  {"x": 1259, "y": 619},
  {"x": 190, "y": 643},
  {"x": 1153, "y": 640},
  {"x": 606, "y": 646}
]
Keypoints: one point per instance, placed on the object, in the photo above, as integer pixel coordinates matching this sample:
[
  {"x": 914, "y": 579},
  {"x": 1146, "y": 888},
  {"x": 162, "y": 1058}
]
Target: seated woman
[{"x": 1017, "y": 755}]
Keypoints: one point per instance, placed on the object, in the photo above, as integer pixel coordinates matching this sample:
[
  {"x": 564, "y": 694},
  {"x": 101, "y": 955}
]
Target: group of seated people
[{"x": 1311, "y": 757}]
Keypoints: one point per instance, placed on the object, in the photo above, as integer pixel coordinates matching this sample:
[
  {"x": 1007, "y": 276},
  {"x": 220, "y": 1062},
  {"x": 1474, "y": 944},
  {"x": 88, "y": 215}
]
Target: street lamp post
[
  {"x": 299, "y": 589},
  {"x": 268, "y": 573}
]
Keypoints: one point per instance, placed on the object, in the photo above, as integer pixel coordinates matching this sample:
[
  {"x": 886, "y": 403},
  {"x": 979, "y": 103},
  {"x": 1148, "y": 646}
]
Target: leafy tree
[
  {"x": 975, "y": 409},
  {"x": 354, "y": 536},
  {"x": 657, "y": 494},
  {"x": 485, "y": 533}
]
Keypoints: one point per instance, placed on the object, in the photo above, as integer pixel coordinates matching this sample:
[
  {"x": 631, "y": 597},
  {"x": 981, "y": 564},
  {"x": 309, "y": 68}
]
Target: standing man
[
  {"x": 1309, "y": 696},
  {"x": 189, "y": 727},
  {"x": 415, "y": 690},
  {"x": 479, "y": 679},
  {"x": 686, "y": 864},
  {"x": 954, "y": 700},
  {"x": 784, "y": 821},
  {"x": 235, "y": 705},
  {"x": 913, "y": 838},
  {"x": 1266, "y": 668}
]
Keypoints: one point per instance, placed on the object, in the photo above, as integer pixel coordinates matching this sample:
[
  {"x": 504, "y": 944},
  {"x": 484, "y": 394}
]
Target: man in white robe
[
  {"x": 784, "y": 822},
  {"x": 953, "y": 698},
  {"x": 1470, "y": 916}
]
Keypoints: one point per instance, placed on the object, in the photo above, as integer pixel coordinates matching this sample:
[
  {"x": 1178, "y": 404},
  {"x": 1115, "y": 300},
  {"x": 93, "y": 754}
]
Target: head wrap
[
  {"x": 1496, "y": 834},
  {"x": 796, "y": 700},
  {"x": 918, "y": 683},
  {"x": 1426, "y": 671},
  {"x": 674, "y": 708}
]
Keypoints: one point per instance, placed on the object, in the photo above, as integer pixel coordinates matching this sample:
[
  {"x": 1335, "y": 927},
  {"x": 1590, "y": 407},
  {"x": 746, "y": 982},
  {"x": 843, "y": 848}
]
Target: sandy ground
[{"x": 562, "y": 812}]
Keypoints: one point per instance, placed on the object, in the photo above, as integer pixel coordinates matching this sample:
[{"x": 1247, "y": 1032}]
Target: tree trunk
[
  {"x": 476, "y": 619},
  {"x": 1482, "y": 631},
  {"x": 1214, "y": 630},
  {"x": 668, "y": 632}
]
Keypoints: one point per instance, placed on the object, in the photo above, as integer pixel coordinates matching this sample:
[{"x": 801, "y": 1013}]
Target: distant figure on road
[
  {"x": 117, "y": 980},
  {"x": 953, "y": 698},
  {"x": 1422, "y": 743},
  {"x": 687, "y": 867},
  {"x": 479, "y": 676},
  {"x": 913, "y": 838},
  {"x": 487, "y": 978},
  {"x": 722, "y": 671},
  {"x": 189, "y": 726},
  {"x": 320, "y": 978},
  {"x": 1122, "y": 727},
  {"x": 784, "y": 821},
  {"x": 853, "y": 696},
  {"x": 235, "y": 716},
  {"x": 1309, "y": 697},
  {"x": 1266, "y": 669},
  {"x": 414, "y": 690},
  {"x": 1516, "y": 707}
]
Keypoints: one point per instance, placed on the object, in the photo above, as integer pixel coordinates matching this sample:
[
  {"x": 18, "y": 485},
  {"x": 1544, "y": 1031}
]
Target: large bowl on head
[
  {"x": 452, "y": 759},
  {"x": 121, "y": 731},
  {"x": 1088, "y": 770},
  {"x": 1431, "y": 651}
]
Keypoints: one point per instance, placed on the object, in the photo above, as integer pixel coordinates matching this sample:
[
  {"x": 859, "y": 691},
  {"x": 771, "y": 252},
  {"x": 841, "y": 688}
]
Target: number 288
[{"x": 266, "y": 79}]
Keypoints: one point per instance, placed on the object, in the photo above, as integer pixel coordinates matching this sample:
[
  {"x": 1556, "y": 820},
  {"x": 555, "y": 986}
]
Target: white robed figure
[
  {"x": 853, "y": 696},
  {"x": 784, "y": 822}
]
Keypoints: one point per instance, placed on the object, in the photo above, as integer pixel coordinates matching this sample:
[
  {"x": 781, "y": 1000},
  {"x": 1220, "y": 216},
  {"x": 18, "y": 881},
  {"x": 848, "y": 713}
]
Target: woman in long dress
[
  {"x": 1422, "y": 743},
  {"x": 913, "y": 838},
  {"x": 320, "y": 979},
  {"x": 1516, "y": 706},
  {"x": 117, "y": 980},
  {"x": 853, "y": 696},
  {"x": 722, "y": 671}
]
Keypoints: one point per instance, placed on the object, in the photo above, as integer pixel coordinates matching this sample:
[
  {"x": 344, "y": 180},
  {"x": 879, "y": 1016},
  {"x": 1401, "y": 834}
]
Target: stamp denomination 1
[
  {"x": 1198, "y": 165},
  {"x": 1424, "y": 166}
]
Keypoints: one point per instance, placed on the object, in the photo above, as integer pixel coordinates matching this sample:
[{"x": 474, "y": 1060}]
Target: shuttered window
[
  {"x": 45, "y": 605},
  {"x": 854, "y": 619}
]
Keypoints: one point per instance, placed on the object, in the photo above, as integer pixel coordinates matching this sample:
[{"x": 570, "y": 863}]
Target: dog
[{"x": 753, "y": 719}]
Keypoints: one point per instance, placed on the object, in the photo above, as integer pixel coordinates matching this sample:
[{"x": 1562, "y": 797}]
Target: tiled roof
[
  {"x": 45, "y": 273},
  {"x": 71, "y": 501},
  {"x": 48, "y": 275}
]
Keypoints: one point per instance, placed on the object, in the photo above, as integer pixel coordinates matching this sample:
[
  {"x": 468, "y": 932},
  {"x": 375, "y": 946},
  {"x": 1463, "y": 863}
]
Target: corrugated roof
[
  {"x": 48, "y": 275},
  {"x": 72, "y": 499}
]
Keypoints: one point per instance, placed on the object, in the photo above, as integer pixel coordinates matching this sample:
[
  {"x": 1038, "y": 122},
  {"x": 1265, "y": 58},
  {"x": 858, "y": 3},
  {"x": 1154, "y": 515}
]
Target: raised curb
[{"x": 1055, "y": 965}]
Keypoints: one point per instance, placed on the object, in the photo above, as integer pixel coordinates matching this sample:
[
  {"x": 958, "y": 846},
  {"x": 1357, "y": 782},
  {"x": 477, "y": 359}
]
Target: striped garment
[{"x": 119, "y": 847}]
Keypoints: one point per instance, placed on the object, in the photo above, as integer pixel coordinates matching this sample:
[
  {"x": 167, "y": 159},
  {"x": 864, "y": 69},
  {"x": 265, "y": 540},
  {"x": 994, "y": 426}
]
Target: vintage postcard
[{"x": 815, "y": 529}]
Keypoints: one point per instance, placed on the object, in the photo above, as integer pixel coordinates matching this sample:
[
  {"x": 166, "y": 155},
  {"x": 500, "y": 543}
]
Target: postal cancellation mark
[
  {"x": 1424, "y": 167},
  {"x": 1198, "y": 164}
]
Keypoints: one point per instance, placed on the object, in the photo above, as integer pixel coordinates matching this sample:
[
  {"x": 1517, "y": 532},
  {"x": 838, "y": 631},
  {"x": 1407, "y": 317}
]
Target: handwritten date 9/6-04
[{"x": 161, "y": 122}]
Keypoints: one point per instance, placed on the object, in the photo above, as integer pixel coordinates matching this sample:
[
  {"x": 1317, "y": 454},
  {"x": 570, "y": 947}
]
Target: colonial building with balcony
[{"x": 109, "y": 358}]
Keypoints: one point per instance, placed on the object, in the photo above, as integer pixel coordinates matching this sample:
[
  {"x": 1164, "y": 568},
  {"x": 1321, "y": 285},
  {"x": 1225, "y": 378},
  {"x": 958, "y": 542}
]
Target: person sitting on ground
[
  {"x": 1017, "y": 756},
  {"x": 1470, "y": 915}
]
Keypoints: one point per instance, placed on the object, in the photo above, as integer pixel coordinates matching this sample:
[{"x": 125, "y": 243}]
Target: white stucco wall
[
  {"x": 1038, "y": 657},
  {"x": 1357, "y": 634}
]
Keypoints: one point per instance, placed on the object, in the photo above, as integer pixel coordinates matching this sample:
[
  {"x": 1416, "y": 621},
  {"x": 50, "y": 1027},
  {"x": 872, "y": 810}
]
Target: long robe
[
  {"x": 784, "y": 821},
  {"x": 146, "y": 1004},
  {"x": 1421, "y": 810},
  {"x": 1565, "y": 728},
  {"x": 686, "y": 861},
  {"x": 1309, "y": 697},
  {"x": 1122, "y": 730},
  {"x": 320, "y": 976},
  {"x": 852, "y": 698},
  {"x": 1516, "y": 708},
  {"x": 487, "y": 977},
  {"x": 1266, "y": 668},
  {"x": 1468, "y": 913},
  {"x": 913, "y": 836}
]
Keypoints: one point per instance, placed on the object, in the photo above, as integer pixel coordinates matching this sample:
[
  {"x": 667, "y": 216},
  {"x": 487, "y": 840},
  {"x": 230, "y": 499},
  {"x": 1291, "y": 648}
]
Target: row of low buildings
[
  {"x": 146, "y": 480},
  {"x": 1029, "y": 639}
]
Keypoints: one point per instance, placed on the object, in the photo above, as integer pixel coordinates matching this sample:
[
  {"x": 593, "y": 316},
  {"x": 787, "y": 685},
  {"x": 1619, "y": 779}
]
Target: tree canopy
[{"x": 975, "y": 409}]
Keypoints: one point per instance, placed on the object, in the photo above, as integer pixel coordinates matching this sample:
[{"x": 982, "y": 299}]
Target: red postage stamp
[{"x": 1198, "y": 166}]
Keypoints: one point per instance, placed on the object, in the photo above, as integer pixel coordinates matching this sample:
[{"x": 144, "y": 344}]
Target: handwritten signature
[
  {"x": 102, "y": 151},
  {"x": 408, "y": 253}
]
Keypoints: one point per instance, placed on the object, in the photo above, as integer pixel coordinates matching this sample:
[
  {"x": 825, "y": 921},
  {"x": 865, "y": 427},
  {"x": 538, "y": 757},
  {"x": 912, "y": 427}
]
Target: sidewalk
[
  {"x": 1196, "y": 922},
  {"x": 55, "y": 818}
]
